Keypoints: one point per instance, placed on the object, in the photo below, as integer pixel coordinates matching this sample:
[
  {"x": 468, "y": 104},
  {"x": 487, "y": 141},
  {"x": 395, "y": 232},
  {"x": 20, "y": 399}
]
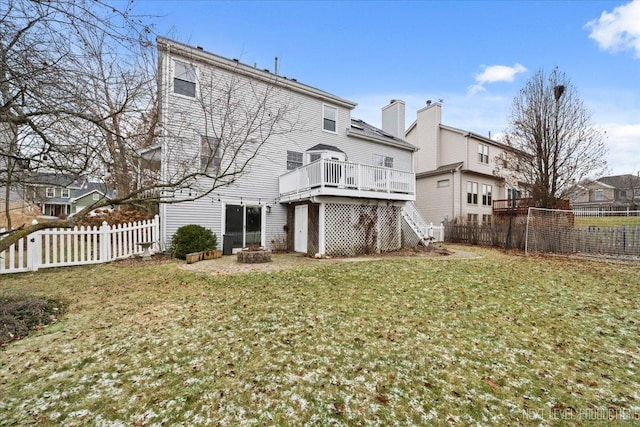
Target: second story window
[
  {"x": 65, "y": 193},
  {"x": 483, "y": 154},
  {"x": 384, "y": 161},
  {"x": 472, "y": 192},
  {"x": 486, "y": 195},
  {"x": 50, "y": 192},
  {"x": 294, "y": 160},
  {"x": 599, "y": 195},
  {"x": 184, "y": 79},
  {"x": 329, "y": 118},
  {"x": 209, "y": 160}
]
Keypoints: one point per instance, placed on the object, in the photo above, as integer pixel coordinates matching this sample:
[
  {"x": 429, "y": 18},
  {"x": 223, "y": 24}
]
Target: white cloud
[
  {"x": 624, "y": 150},
  {"x": 618, "y": 30},
  {"x": 493, "y": 74}
]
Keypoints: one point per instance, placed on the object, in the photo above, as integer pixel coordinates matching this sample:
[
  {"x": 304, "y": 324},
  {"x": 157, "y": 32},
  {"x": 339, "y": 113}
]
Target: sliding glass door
[{"x": 244, "y": 224}]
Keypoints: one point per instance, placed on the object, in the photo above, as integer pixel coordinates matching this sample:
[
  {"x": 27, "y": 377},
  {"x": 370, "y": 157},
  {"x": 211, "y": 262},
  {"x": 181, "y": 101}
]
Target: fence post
[
  {"x": 34, "y": 249},
  {"x": 156, "y": 233},
  {"x": 105, "y": 239},
  {"x": 442, "y": 232}
]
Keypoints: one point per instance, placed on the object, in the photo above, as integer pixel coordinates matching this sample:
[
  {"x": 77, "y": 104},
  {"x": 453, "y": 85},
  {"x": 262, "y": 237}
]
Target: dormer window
[
  {"x": 329, "y": 118},
  {"x": 184, "y": 79}
]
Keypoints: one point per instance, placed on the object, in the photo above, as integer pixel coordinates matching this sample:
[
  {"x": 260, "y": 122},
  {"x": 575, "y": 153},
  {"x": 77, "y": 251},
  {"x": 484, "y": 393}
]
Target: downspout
[
  {"x": 164, "y": 146},
  {"x": 453, "y": 194}
]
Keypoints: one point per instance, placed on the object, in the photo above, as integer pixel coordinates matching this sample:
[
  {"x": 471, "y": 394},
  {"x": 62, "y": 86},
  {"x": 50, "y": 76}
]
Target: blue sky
[{"x": 473, "y": 55}]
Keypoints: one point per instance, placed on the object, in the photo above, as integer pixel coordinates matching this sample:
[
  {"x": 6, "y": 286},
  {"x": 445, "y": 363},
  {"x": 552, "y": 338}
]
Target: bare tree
[
  {"x": 555, "y": 144},
  {"x": 79, "y": 105},
  {"x": 121, "y": 102},
  {"x": 48, "y": 114}
]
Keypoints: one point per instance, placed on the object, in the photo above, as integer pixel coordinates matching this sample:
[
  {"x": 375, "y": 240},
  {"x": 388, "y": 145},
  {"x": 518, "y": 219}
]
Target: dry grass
[
  {"x": 607, "y": 221},
  {"x": 491, "y": 341}
]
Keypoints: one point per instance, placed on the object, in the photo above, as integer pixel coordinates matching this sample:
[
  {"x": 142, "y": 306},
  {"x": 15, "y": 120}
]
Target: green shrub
[{"x": 192, "y": 238}]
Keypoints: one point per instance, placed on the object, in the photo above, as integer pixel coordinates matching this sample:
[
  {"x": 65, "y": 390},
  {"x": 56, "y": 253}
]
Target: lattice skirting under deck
[{"x": 362, "y": 229}]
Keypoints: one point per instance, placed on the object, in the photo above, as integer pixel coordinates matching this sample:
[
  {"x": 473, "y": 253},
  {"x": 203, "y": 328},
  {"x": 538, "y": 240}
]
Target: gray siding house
[{"x": 326, "y": 184}]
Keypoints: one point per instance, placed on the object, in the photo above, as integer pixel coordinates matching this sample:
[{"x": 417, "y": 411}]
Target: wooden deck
[
  {"x": 512, "y": 206},
  {"x": 521, "y": 206}
]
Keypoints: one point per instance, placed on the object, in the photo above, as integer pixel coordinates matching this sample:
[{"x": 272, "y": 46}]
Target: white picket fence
[{"x": 59, "y": 247}]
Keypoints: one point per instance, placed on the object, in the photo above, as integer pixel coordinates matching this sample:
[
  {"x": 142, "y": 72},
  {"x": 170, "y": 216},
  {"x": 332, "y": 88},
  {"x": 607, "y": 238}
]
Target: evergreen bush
[{"x": 192, "y": 238}]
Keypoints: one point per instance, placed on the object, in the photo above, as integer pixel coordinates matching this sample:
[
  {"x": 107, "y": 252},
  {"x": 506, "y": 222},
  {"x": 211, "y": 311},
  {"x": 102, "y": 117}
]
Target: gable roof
[
  {"x": 54, "y": 180},
  {"x": 325, "y": 147},
  {"x": 451, "y": 167},
  {"x": 476, "y": 136},
  {"x": 622, "y": 182},
  {"x": 363, "y": 130},
  {"x": 91, "y": 187}
]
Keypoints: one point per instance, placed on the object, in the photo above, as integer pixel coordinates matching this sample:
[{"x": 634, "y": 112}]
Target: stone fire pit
[{"x": 254, "y": 256}]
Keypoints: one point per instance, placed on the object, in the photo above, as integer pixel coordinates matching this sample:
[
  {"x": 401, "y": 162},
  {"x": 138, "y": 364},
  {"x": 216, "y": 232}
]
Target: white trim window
[
  {"x": 294, "y": 160},
  {"x": 50, "y": 192},
  {"x": 443, "y": 183},
  {"x": 329, "y": 118},
  {"x": 96, "y": 197},
  {"x": 209, "y": 159},
  {"x": 472, "y": 192},
  {"x": 383, "y": 161},
  {"x": 184, "y": 79},
  {"x": 65, "y": 193},
  {"x": 486, "y": 195},
  {"x": 483, "y": 154},
  {"x": 599, "y": 195}
]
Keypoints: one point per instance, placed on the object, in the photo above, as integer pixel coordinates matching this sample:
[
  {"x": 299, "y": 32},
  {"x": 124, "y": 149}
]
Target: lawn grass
[
  {"x": 498, "y": 340},
  {"x": 607, "y": 221}
]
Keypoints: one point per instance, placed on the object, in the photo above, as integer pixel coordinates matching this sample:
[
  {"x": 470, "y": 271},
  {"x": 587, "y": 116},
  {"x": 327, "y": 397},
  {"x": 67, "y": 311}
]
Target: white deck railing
[
  {"x": 346, "y": 175},
  {"x": 425, "y": 231},
  {"x": 59, "y": 247}
]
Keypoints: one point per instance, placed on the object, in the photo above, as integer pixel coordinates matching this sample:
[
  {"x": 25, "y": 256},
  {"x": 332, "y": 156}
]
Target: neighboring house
[
  {"x": 87, "y": 195},
  {"x": 455, "y": 171},
  {"x": 333, "y": 185},
  {"x": 60, "y": 196},
  {"x": 609, "y": 193}
]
